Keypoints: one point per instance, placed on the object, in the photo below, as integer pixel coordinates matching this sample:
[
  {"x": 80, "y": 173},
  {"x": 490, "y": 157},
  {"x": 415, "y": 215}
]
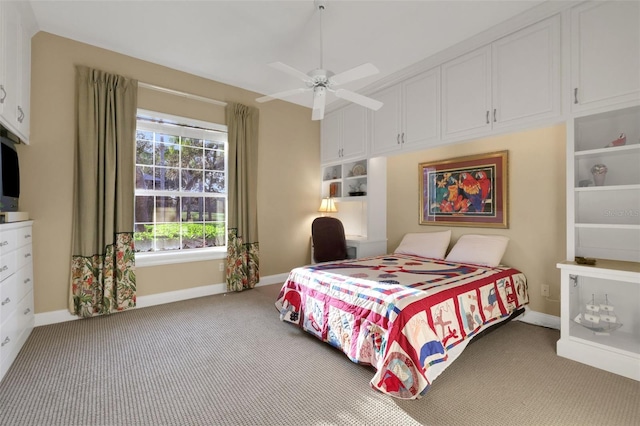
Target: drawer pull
[
  {"x": 4, "y": 268},
  {"x": 5, "y": 301},
  {"x": 6, "y": 340},
  {"x": 4, "y": 243},
  {"x": 28, "y": 236},
  {"x": 27, "y": 255},
  {"x": 26, "y": 311},
  {"x": 27, "y": 281}
]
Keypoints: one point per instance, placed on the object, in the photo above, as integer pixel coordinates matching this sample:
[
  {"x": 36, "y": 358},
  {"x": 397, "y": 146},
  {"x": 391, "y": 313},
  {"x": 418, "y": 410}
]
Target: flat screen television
[{"x": 9, "y": 176}]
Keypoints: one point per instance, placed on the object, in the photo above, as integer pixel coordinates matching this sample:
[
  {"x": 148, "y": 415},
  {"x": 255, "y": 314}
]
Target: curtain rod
[{"x": 183, "y": 94}]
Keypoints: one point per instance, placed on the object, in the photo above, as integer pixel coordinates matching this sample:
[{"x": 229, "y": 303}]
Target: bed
[{"x": 407, "y": 316}]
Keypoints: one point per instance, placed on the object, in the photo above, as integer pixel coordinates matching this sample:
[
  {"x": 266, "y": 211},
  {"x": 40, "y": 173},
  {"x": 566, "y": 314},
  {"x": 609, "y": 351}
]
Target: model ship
[{"x": 599, "y": 318}]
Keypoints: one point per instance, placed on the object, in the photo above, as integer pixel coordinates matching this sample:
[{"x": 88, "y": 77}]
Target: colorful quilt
[{"x": 407, "y": 316}]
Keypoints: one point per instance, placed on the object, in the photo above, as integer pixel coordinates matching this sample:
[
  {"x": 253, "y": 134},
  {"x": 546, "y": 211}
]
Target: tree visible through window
[{"x": 181, "y": 198}]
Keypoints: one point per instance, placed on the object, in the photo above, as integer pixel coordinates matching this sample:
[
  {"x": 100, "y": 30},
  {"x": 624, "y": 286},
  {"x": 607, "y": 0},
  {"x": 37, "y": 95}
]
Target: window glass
[{"x": 180, "y": 199}]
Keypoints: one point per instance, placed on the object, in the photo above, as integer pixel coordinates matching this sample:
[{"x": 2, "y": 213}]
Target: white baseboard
[
  {"x": 53, "y": 317},
  {"x": 539, "y": 318}
]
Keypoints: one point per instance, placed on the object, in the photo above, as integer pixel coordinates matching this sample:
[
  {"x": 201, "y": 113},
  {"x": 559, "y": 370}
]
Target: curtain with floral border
[
  {"x": 103, "y": 277},
  {"x": 243, "y": 270}
]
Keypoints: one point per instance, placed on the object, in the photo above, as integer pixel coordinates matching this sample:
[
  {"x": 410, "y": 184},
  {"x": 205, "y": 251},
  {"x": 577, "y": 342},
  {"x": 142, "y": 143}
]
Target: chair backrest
[{"x": 329, "y": 242}]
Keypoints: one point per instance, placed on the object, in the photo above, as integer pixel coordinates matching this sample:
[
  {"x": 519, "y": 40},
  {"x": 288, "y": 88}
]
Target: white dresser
[{"x": 16, "y": 290}]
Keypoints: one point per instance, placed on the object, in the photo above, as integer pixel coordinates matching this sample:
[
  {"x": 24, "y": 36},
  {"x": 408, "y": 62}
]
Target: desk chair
[{"x": 329, "y": 242}]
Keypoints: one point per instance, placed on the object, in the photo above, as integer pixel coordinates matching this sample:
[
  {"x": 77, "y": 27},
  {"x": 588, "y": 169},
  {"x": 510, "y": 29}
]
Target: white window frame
[{"x": 144, "y": 259}]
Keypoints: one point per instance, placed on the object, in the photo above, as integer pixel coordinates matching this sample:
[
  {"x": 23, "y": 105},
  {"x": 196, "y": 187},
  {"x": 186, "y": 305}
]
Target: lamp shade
[{"x": 328, "y": 206}]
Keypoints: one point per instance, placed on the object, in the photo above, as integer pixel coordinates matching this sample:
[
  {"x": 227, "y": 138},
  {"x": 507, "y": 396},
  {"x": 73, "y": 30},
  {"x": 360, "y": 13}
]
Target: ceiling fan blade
[
  {"x": 281, "y": 95},
  {"x": 319, "y": 100},
  {"x": 359, "y": 99},
  {"x": 290, "y": 70},
  {"x": 361, "y": 71}
]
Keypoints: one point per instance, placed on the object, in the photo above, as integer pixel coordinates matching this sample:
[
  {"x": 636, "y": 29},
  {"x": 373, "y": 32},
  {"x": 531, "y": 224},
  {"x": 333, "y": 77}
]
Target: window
[{"x": 181, "y": 194}]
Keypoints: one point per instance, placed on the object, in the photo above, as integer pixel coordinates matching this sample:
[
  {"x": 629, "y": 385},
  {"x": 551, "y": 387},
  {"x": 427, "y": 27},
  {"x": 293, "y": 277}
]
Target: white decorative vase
[{"x": 599, "y": 172}]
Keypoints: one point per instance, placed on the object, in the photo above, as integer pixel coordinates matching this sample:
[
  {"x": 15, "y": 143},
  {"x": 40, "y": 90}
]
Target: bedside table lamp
[{"x": 327, "y": 206}]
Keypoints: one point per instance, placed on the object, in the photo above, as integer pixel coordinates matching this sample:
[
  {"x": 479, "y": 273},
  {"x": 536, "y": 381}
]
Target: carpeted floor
[{"x": 228, "y": 360}]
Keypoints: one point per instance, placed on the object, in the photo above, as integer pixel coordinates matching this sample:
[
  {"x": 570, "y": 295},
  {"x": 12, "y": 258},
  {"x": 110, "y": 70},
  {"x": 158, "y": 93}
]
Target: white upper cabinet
[
  {"x": 511, "y": 82},
  {"x": 410, "y": 116},
  {"x": 526, "y": 74},
  {"x": 16, "y": 29},
  {"x": 605, "y": 54},
  {"x": 344, "y": 134},
  {"x": 466, "y": 94}
]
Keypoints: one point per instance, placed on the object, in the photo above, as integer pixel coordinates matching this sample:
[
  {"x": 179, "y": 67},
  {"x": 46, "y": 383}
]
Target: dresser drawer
[
  {"x": 8, "y": 297},
  {"x": 23, "y": 236},
  {"x": 24, "y": 280},
  {"x": 7, "y": 265},
  {"x": 24, "y": 314},
  {"x": 8, "y": 240},
  {"x": 24, "y": 256},
  {"x": 8, "y": 336}
]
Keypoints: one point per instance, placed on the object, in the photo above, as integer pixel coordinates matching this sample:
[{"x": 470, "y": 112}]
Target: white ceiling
[{"x": 234, "y": 41}]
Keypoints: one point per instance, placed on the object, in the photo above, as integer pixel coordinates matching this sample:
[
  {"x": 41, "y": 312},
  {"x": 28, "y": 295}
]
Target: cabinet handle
[
  {"x": 575, "y": 95},
  {"x": 398, "y": 138},
  {"x": 4, "y": 243},
  {"x": 27, "y": 281},
  {"x": 21, "y": 117},
  {"x": 28, "y": 236},
  {"x": 4, "y": 268},
  {"x": 487, "y": 116},
  {"x": 26, "y": 311},
  {"x": 573, "y": 279},
  {"x": 494, "y": 115},
  {"x": 5, "y": 301},
  {"x": 5, "y": 341},
  {"x": 27, "y": 255},
  {"x": 4, "y": 94},
  {"x": 403, "y": 137}
]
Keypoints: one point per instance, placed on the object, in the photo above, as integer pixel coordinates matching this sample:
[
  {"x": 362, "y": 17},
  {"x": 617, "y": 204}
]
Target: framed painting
[{"x": 465, "y": 191}]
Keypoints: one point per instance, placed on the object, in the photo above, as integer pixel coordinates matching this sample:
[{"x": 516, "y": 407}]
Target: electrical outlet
[
  {"x": 221, "y": 268},
  {"x": 544, "y": 290}
]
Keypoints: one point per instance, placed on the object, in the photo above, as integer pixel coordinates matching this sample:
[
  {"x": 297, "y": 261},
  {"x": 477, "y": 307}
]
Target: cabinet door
[
  {"x": 605, "y": 59},
  {"x": 526, "y": 75},
  {"x": 9, "y": 91},
  {"x": 385, "y": 123},
  {"x": 354, "y": 131},
  {"x": 3, "y": 60},
  {"x": 466, "y": 94},
  {"x": 23, "y": 83},
  {"x": 421, "y": 109},
  {"x": 331, "y": 137}
]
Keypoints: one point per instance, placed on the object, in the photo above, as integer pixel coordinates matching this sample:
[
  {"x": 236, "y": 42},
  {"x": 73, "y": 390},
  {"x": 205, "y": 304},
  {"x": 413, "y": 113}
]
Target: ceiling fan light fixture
[{"x": 321, "y": 80}]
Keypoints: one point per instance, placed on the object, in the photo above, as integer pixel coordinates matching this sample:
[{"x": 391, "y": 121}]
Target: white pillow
[
  {"x": 479, "y": 249},
  {"x": 425, "y": 244}
]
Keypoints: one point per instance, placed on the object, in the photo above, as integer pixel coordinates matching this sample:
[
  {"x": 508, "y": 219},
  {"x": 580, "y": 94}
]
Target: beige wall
[
  {"x": 289, "y": 157},
  {"x": 537, "y": 220}
]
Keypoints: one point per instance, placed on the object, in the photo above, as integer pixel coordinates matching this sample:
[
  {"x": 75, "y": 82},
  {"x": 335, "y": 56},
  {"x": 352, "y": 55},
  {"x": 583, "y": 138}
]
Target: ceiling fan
[{"x": 320, "y": 81}]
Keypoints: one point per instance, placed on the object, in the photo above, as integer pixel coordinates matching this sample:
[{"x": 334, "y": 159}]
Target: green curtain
[
  {"x": 103, "y": 259},
  {"x": 242, "y": 246}
]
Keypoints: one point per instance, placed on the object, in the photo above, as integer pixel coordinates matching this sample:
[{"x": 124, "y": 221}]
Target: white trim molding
[
  {"x": 540, "y": 318},
  {"x": 54, "y": 317}
]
